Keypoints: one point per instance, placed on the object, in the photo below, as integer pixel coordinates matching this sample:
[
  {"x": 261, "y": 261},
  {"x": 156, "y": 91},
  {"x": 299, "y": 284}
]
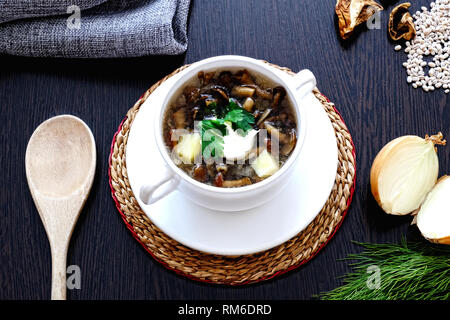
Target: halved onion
[
  {"x": 403, "y": 173},
  {"x": 433, "y": 217}
]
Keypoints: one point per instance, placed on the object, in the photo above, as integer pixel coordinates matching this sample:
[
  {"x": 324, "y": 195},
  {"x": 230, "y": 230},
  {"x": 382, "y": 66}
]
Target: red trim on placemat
[{"x": 130, "y": 227}]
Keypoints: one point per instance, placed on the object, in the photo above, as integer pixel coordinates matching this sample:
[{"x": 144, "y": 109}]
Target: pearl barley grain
[{"x": 432, "y": 41}]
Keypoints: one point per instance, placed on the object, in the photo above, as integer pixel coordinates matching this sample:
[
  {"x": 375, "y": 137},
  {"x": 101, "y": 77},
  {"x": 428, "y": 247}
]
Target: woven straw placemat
[{"x": 241, "y": 269}]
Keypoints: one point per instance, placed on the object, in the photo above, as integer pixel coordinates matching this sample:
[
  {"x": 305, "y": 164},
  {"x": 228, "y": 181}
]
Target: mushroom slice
[
  {"x": 197, "y": 114},
  {"x": 248, "y": 104},
  {"x": 352, "y": 13},
  {"x": 288, "y": 147},
  {"x": 179, "y": 118},
  {"x": 278, "y": 95},
  {"x": 221, "y": 91},
  {"x": 218, "y": 180},
  {"x": 226, "y": 79},
  {"x": 171, "y": 138},
  {"x": 205, "y": 77},
  {"x": 211, "y": 168},
  {"x": 244, "y": 77},
  {"x": 243, "y": 91},
  {"x": 221, "y": 167},
  {"x": 269, "y": 145},
  {"x": 263, "y": 116},
  {"x": 200, "y": 173},
  {"x": 276, "y": 134},
  {"x": 262, "y": 93},
  {"x": 191, "y": 93},
  {"x": 401, "y": 24},
  {"x": 236, "y": 183},
  {"x": 279, "y": 117}
]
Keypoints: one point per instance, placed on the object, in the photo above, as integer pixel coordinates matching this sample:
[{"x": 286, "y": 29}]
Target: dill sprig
[{"x": 407, "y": 271}]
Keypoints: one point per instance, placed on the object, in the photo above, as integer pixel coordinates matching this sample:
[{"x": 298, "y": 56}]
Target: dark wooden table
[{"x": 363, "y": 76}]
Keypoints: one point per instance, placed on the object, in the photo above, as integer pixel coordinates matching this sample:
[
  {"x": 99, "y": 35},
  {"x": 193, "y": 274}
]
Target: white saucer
[{"x": 236, "y": 233}]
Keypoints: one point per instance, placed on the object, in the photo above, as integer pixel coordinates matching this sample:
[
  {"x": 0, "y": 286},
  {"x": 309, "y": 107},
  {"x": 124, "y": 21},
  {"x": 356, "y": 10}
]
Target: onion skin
[
  {"x": 444, "y": 240},
  {"x": 378, "y": 164}
]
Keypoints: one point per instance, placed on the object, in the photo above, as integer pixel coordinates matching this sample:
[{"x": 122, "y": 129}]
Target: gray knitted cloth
[{"x": 93, "y": 28}]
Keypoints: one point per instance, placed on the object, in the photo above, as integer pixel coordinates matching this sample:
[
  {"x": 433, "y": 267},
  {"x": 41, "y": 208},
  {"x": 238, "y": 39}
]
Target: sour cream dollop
[{"x": 236, "y": 146}]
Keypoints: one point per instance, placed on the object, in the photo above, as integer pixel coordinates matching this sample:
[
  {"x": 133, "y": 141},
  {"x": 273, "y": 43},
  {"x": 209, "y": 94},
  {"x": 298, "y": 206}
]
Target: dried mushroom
[
  {"x": 401, "y": 24},
  {"x": 352, "y": 13}
]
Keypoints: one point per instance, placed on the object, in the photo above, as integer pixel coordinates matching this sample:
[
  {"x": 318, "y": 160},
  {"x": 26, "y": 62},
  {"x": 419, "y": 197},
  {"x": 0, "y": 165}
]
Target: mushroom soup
[{"x": 230, "y": 128}]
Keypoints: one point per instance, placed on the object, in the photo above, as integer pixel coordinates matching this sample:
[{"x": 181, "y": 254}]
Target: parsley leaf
[
  {"x": 212, "y": 132},
  {"x": 241, "y": 119},
  {"x": 232, "y": 105}
]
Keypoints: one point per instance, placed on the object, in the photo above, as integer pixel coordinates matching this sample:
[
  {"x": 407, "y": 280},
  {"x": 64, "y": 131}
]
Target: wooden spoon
[{"x": 60, "y": 165}]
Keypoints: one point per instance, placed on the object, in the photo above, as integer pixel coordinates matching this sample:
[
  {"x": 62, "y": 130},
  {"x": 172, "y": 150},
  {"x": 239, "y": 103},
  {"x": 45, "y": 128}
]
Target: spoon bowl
[{"x": 60, "y": 165}]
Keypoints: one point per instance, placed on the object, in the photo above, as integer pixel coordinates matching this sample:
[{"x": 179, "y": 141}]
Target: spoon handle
[{"x": 59, "y": 269}]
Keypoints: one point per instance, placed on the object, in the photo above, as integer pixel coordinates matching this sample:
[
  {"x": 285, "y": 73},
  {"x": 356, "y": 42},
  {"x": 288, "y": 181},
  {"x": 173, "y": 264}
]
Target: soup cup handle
[
  {"x": 304, "y": 82},
  {"x": 167, "y": 183}
]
